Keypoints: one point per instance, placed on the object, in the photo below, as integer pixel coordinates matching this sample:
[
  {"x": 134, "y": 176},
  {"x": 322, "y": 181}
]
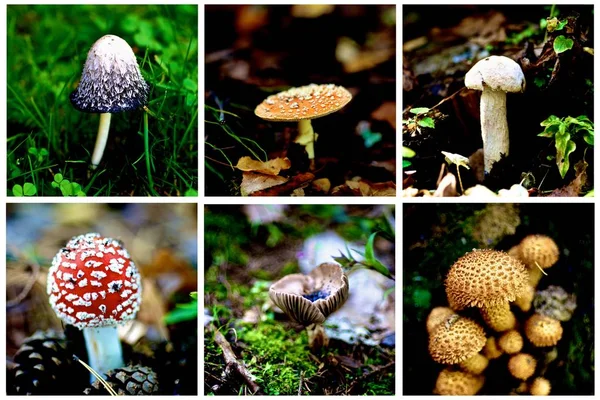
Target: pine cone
[
  {"x": 134, "y": 380},
  {"x": 44, "y": 366}
]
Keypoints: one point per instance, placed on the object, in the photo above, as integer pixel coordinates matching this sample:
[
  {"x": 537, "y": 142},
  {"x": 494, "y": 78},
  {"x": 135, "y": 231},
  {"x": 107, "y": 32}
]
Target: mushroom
[
  {"x": 491, "y": 350},
  {"x": 540, "y": 387},
  {"x": 95, "y": 286},
  {"x": 488, "y": 279},
  {"x": 310, "y": 299},
  {"x": 538, "y": 252},
  {"x": 456, "y": 340},
  {"x": 303, "y": 104},
  {"x": 522, "y": 366},
  {"x": 543, "y": 331},
  {"x": 494, "y": 76},
  {"x": 475, "y": 364},
  {"x": 511, "y": 342},
  {"x": 458, "y": 383},
  {"x": 436, "y": 316},
  {"x": 111, "y": 82}
]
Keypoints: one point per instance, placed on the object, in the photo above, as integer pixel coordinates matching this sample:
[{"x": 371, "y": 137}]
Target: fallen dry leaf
[
  {"x": 365, "y": 189},
  {"x": 295, "y": 182},
  {"x": 322, "y": 185},
  {"x": 271, "y": 167},
  {"x": 386, "y": 112},
  {"x": 573, "y": 189},
  {"x": 253, "y": 182}
]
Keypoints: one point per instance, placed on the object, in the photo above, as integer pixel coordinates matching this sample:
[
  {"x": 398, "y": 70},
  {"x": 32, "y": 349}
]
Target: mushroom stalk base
[
  {"x": 101, "y": 139},
  {"x": 317, "y": 338},
  {"x": 103, "y": 348},
  {"x": 494, "y": 126},
  {"x": 307, "y": 138}
]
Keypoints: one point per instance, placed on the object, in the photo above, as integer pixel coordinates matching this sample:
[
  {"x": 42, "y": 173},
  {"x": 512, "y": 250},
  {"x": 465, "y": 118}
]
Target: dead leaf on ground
[
  {"x": 386, "y": 112},
  {"x": 271, "y": 167},
  {"x": 285, "y": 188},
  {"x": 322, "y": 185},
  {"x": 253, "y": 182},
  {"x": 573, "y": 189},
  {"x": 365, "y": 189}
]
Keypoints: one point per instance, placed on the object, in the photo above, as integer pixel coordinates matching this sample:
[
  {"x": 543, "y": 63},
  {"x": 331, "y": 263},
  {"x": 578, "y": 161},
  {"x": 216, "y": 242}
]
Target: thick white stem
[
  {"x": 494, "y": 126},
  {"x": 101, "y": 139},
  {"x": 103, "y": 348}
]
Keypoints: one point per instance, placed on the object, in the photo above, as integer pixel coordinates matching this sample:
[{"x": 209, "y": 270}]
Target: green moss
[{"x": 276, "y": 356}]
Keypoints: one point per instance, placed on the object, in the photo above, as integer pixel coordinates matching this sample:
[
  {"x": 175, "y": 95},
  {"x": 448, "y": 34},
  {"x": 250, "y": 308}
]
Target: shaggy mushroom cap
[
  {"x": 485, "y": 277},
  {"x": 525, "y": 300},
  {"x": 309, "y": 299},
  {"x": 305, "y": 102},
  {"x": 94, "y": 283},
  {"x": 511, "y": 342},
  {"x": 540, "y": 387},
  {"x": 499, "y": 317},
  {"x": 491, "y": 350},
  {"x": 475, "y": 365},
  {"x": 539, "y": 250},
  {"x": 111, "y": 80},
  {"x": 456, "y": 340},
  {"x": 543, "y": 331},
  {"x": 458, "y": 383},
  {"x": 436, "y": 317},
  {"x": 522, "y": 366}
]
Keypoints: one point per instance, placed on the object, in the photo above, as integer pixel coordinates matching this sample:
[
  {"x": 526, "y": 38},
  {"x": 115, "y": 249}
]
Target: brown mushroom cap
[
  {"x": 540, "y": 250},
  {"x": 485, "y": 277},
  {"x": 475, "y": 364},
  {"x": 511, "y": 342},
  {"x": 456, "y": 340},
  {"x": 305, "y": 102},
  {"x": 522, "y": 366},
  {"x": 491, "y": 349},
  {"x": 436, "y": 317},
  {"x": 540, "y": 387},
  {"x": 309, "y": 299},
  {"x": 458, "y": 383},
  {"x": 543, "y": 331}
]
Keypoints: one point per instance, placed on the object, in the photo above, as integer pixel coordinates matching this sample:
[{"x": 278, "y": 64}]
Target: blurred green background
[
  {"x": 47, "y": 46},
  {"x": 436, "y": 235}
]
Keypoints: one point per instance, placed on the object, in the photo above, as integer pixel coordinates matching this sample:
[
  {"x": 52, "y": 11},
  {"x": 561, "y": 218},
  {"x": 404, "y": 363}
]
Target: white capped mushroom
[{"x": 494, "y": 76}]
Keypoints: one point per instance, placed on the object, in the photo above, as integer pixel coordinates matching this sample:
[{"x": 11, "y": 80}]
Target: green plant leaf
[
  {"x": 564, "y": 147},
  {"x": 588, "y": 136},
  {"x": 457, "y": 159},
  {"x": 426, "y": 122},
  {"x": 406, "y": 163},
  {"x": 66, "y": 188},
  {"x": 419, "y": 110},
  {"x": 29, "y": 189},
  {"x": 58, "y": 178},
  {"x": 371, "y": 261},
  {"x": 191, "y": 193},
  {"x": 551, "y": 120},
  {"x": 17, "y": 190},
  {"x": 562, "y": 44},
  {"x": 408, "y": 153}
]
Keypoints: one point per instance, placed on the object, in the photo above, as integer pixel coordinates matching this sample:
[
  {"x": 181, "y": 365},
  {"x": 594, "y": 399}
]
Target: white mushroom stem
[
  {"x": 317, "y": 337},
  {"x": 101, "y": 139},
  {"x": 494, "y": 126},
  {"x": 103, "y": 348}
]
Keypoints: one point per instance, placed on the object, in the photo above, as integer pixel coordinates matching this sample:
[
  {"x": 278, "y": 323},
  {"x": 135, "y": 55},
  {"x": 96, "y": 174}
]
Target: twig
[
  {"x": 231, "y": 360},
  {"x": 300, "y": 384}
]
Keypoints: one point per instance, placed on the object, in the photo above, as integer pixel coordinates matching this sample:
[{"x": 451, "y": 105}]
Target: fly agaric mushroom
[
  {"x": 111, "y": 82},
  {"x": 494, "y": 76},
  {"x": 310, "y": 299},
  {"x": 303, "y": 104},
  {"x": 94, "y": 285},
  {"x": 488, "y": 279}
]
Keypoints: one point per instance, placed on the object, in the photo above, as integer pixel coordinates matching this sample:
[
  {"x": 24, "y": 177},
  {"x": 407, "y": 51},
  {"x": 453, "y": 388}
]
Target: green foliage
[
  {"x": 66, "y": 187},
  {"x": 420, "y": 119},
  {"x": 562, "y": 44},
  {"x": 28, "y": 189},
  {"x": 407, "y": 153},
  {"x": 563, "y": 131},
  {"x": 277, "y": 356},
  {"x": 518, "y": 37},
  {"x": 183, "y": 312},
  {"x": 224, "y": 236}
]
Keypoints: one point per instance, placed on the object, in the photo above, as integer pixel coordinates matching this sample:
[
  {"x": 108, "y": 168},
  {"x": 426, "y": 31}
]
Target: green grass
[{"x": 47, "y": 47}]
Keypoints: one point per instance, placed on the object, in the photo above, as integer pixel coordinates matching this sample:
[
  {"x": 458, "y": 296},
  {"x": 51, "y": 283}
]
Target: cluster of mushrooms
[{"x": 494, "y": 281}]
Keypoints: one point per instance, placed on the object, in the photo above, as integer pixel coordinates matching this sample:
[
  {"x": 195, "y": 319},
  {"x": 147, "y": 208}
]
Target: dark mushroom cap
[
  {"x": 305, "y": 102},
  {"x": 111, "y": 81},
  {"x": 310, "y": 299}
]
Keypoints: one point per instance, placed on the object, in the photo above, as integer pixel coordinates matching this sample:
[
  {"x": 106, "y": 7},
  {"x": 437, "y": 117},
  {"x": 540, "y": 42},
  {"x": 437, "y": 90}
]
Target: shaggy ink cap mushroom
[
  {"x": 310, "y": 299},
  {"x": 494, "y": 76},
  {"x": 111, "y": 82},
  {"x": 303, "y": 104},
  {"x": 94, "y": 285}
]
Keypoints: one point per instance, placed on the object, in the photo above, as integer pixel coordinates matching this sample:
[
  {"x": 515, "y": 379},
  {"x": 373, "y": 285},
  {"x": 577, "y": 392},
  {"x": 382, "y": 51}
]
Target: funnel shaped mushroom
[
  {"x": 494, "y": 76},
  {"x": 303, "y": 104},
  {"x": 487, "y": 279},
  {"x": 310, "y": 299},
  {"x": 94, "y": 285},
  {"x": 111, "y": 82}
]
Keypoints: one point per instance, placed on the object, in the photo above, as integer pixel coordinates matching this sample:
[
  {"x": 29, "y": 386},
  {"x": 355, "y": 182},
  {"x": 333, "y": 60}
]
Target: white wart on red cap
[
  {"x": 94, "y": 283},
  {"x": 111, "y": 80}
]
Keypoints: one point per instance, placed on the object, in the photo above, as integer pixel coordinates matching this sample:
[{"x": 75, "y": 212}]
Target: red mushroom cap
[{"x": 93, "y": 282}]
